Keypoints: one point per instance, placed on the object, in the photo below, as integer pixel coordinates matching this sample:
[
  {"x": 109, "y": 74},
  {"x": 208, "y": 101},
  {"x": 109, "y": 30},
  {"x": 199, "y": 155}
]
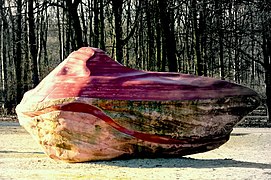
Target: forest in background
[{"x": 229, "y": 40}]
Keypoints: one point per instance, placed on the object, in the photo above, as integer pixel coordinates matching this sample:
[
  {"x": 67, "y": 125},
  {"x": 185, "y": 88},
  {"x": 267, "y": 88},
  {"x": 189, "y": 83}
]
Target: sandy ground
[{"x": 247, "y": 155}]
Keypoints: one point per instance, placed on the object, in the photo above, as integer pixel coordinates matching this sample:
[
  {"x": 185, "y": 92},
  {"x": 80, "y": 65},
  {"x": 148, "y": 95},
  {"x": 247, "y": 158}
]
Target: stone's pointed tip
[
  {"x": 96, "y": 49},
  {"x": 87, "y": 51}
]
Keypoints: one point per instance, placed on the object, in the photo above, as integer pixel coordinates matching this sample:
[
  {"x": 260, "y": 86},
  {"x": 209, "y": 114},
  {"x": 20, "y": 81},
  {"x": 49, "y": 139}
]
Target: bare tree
[
  {"x": 266, "y": 46},
  {"x": 167, "y": 22},
  {"x": 32, "y": 42}
]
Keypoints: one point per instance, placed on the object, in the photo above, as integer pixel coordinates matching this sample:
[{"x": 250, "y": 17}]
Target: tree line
[{"x": 230, "y": 40}]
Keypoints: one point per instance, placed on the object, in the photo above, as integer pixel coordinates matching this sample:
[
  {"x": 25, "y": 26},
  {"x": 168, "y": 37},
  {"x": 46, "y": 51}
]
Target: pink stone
[{"x": 91, "y": 107}]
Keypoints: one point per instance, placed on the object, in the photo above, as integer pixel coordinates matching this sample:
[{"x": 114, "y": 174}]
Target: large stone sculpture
[{"x": 92, "y": 108}]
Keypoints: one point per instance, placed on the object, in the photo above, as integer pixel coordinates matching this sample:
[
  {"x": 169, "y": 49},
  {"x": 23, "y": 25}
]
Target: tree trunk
[
  {"x": 197, "y": 35},
  {"x": 168, "y": 34},
  {"x": 117, "y": 11},
  {"x": 128, "y": 24},
  {"x": 219, "y": 14},
  {"x": 75, "y": 20},
  {"x": 164, "y": 54},
  {"x": 267, "y": 62},
  {"x": 27, "y": 75},
  {"x": 102, "y": 26},
  {"x": 44, "y": 42},
  {"x": 68, "y": 32},
  {"x": 60, "y": 36},
  {"x": 4, "y": 27},
  {"x": 158, "y": 37},
  {"x": 268, "y": 91},
  {"x": 33, "y": 43},
  {"x": 4, "y": 72},
  {"x": 150, "y": 33},
  {"x": 203, "y": 39},
  {"x": 18, "y": 55},
  {"x": 96, "y": 23},
  {"x": 90, "y": 15},
  {"x": 84, "y": 26}
]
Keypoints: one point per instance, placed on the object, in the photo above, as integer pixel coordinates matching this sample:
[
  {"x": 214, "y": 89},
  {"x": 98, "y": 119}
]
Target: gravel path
[{"x": 247, "y": 155}]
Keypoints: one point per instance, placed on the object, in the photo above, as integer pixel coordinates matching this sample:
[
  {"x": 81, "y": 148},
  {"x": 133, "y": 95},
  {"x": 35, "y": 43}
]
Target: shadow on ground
[
  {"x": 20, "y": 152},
  {"x": 184, "y": 163}
]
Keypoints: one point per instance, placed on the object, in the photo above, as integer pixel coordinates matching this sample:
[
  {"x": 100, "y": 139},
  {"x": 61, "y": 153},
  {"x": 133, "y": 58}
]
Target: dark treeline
[{"x": 230, "y": 40}]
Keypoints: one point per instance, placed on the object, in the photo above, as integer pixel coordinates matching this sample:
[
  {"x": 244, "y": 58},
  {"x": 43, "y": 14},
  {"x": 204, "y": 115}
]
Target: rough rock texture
[{"x": 93, "y": 108}]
